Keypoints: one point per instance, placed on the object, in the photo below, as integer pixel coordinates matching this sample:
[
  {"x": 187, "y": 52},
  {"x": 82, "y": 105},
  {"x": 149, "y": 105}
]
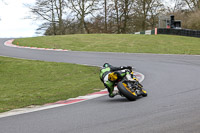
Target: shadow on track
[{"x": 119, "y": 99}]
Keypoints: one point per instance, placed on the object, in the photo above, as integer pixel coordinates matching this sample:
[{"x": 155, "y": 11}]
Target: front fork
[{"x": 137, "y": 88}]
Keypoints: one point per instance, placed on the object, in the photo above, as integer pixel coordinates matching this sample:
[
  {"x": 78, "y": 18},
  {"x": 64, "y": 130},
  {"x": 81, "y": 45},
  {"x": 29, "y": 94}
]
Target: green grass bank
[
  {"x": 26, "y": 82},
  {"x": 129, "y": 43}
]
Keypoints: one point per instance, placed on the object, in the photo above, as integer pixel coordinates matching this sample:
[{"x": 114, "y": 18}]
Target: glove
[
  {"x": 125, "y": 67},
  {"x": 129, "y": 67}
]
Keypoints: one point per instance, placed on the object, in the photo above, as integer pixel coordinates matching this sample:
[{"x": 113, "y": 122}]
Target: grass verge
[
  {"x": 27, "y": 82},
  {"x": 129, "y": 43}
]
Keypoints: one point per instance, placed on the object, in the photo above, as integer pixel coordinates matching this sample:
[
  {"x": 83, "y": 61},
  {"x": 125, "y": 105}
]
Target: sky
[{"x": 12, "y": 23}]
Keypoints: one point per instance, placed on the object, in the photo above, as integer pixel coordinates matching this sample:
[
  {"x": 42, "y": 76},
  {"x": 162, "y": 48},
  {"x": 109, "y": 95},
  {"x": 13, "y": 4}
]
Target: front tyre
[
  {"x": 144, "y": 92},
  {"x": 125, "y": 91}
]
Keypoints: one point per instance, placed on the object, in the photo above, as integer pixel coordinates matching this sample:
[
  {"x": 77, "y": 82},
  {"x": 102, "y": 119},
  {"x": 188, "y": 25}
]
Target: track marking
[
  {"x": 58, "y": 103},
  {"x": 63, "y": 102},
  {"x": 9, "y": 44}
]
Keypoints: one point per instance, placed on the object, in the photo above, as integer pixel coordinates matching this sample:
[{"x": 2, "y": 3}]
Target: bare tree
[
  {"x": 142, "y": 10},
  {"x": 60, "y": 5},
  {"x": 193, "y": 4},
  {"x": 156, "y": 8},
  {"x": 117, "y": 12},
  {"x": 126, "y": 9},
  {"x": 193, "y": 20},
  {"x": 50, "y": 11},
  {"x": 145, "y": 10},
  {"x": 82, "y": 8},
  {"x": 121, "y": 14},
  {"x": 177, "y": 6},
  {"x": 105, "y": 15},
  {"x": 101, "y": 16}
]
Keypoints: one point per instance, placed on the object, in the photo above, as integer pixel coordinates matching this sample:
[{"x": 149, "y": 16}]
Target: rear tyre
[{"x": 126, "y": 92}]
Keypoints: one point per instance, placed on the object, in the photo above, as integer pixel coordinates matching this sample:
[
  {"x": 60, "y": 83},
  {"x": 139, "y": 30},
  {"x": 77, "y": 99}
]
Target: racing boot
[{"x": 113, "y": 94}]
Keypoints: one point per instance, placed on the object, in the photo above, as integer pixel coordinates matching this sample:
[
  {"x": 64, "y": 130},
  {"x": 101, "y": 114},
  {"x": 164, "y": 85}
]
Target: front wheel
[
  {"x": 144, "y": 92},
  {"x": 125, "y": 91}
]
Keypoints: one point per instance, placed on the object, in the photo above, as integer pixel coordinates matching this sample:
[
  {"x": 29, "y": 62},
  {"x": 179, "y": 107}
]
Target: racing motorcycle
[{"x": 130, "y": 87}]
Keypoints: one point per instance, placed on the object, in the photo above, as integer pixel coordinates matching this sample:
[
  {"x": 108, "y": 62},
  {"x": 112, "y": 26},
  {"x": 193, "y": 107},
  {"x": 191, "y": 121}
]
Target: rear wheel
[{"x": 125, "y": 91}]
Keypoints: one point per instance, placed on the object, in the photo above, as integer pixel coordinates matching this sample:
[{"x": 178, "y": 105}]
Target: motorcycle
[{"x": 130, "y": 87}]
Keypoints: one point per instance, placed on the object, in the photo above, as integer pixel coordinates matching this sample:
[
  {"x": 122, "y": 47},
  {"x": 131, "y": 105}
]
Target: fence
[
  {"x": 182, "y": 32},
  {"x": 147, "y": 32}
]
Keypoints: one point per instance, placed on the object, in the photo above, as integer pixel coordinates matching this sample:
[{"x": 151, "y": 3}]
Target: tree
[
  {"x": 121, "y": 14},
  {"x": 178, "y": 6},
  {"x": 108, "y": 16},
  {"x": 156, "y": 8},
  {"x": 50, "y": 11},
  {"x": 193, "y": 20},
  {"x": 117, "y": 14},
  {"x": 193, "y": 4},
  {"x": 105, "y": 15},
  {"x": 60, "y": 4},
  {"x": 97, "y": 24},
  {"x": 146, "y": 10},
  {"x": 126, "y": 9},
  {"x": 82, "y": 8}
]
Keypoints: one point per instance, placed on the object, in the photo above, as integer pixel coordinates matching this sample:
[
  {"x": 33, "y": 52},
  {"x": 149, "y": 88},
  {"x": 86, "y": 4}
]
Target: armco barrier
[{"x": 181, "y": 32}]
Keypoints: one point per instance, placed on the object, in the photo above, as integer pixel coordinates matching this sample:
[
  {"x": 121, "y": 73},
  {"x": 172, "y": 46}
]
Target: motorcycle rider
[{"x": 109, "y": 75}]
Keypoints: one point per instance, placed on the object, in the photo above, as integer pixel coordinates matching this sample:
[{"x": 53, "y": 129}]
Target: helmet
[
  {"x": 112, "y": 76},
  {"x": 106, "y": 65}
]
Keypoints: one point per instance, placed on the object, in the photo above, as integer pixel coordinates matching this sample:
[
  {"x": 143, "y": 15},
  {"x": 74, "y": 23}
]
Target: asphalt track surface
[{"x": 172, "y": 105}]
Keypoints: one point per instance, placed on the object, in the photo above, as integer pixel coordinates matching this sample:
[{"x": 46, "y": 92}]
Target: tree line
[{"x": 61, "y": 17}]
